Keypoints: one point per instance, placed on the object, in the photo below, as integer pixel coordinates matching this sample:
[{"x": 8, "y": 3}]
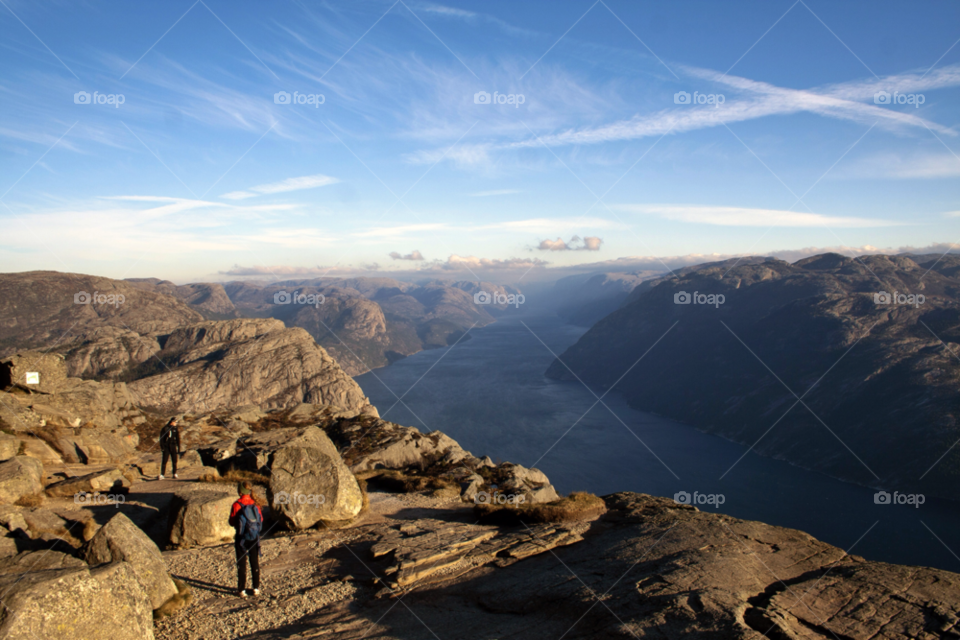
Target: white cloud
[
  {"x": 590, "y": 243},
  {"x": 900, "y": 167},
  {"x": 456, "y": 263},
  {"x": 415, "y": 255},
  {"x": 290, "y": 184},
  {"x": 744, "y": 217},
  {"x": 852, "y": 101}
]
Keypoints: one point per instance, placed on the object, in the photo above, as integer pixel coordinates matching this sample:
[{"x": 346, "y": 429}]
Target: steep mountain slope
[
  {"x": 585, "y": 299},
  {"x": 47, "y": 308},
  {"x": 210, "y": 299},
  {"x": 877, "y": 381},
  {"x": 369, "y": 322},
  {"x": 174, "y": 359}
]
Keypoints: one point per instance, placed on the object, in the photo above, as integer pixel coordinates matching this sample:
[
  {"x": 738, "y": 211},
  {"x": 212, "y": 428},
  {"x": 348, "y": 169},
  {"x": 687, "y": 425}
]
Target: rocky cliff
[
  {"x": 174, "y": 360},
  {"x": 831, "y": 363},
  {"x": 369, "y": 322}
]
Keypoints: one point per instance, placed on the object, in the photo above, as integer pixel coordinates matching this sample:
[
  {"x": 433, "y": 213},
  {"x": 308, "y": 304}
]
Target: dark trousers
[
  {"x": 163, "y": 462},
  {"x": 248, "y": 550}
]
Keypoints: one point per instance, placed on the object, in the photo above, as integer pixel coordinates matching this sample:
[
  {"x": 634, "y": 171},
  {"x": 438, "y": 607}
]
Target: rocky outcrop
[
  {"x": 877, "y": 375},
  {"x": 309, "y": 482},
  {"x": 65, "y": 310},
  {"x": 209, "y": 299},
  {"x": 242, "y": 362},
  {"x": 649, "y": 568},
  {"x": 122, "y": 541},
  {"x": 46, "y": 594},
  {"x": 104, "y": 481},
  {"x": 417, "y": 551},
  {"x": 368, "y": 444},
  {"x": 19, "y": 477},
  {"x": 200, "y": 516}
]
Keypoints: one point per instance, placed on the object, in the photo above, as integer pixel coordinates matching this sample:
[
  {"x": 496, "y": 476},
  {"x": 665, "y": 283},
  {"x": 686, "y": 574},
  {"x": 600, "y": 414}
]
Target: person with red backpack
[{"x": 247, "y": 519}]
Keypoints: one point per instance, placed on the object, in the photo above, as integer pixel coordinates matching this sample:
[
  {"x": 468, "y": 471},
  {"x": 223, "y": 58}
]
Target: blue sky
[{"x": 187, "y": 162}]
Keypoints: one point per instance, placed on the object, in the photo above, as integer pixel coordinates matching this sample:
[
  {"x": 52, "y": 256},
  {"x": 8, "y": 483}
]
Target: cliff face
[
  {"x": 367, "y": 323},
  {"x": 175, "y": 360},
  {"x": 47, "y": 308},
  {"x": 878, "y": 380},
  {"x": 232, "y": 363}
]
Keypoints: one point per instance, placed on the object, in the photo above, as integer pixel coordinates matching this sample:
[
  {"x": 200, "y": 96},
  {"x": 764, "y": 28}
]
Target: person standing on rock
[
  {"x": 169, "y": 447},
  {"x": 247, "y": 519}
]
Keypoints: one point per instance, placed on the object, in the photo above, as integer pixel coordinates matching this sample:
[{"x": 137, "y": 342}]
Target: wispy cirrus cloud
[
  {"x": 283, "y": 186},
  {"x": 751, "y": 99},
  {"x": 746, "y": 217}
]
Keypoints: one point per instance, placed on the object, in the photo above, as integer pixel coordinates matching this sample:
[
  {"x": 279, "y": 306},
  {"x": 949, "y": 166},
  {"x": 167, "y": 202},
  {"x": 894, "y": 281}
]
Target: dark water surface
[{"x": 489, "y": 393}]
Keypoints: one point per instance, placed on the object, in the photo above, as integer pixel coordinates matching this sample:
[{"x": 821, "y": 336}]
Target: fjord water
[{"x": 490, "y": 394}]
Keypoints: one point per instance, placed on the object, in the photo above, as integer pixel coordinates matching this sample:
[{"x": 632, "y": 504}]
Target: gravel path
[{"x": 297, "y": 575}]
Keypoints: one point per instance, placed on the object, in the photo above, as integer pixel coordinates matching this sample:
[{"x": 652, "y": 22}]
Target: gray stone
[
  {"x": 48, "y": 595},
  {"x": 19, "y": 477},
  {"x": 309, "y": 482},
  {"x": 105, "y": 481},
  {"x": 121, "y": 540},
  {"x": 9, "y": 446},
  {"x": 200, "y": 517}
]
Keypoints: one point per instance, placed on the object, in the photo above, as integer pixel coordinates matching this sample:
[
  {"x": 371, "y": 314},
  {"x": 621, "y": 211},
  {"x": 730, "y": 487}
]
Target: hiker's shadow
[{"x": 207, "y": 586}]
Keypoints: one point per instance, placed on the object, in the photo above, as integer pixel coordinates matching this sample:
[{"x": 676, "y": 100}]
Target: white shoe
[
  {"x": 256, "y": 592},
  {"x": 176, "y": 476},
  {"x": 160, "y": 478}
]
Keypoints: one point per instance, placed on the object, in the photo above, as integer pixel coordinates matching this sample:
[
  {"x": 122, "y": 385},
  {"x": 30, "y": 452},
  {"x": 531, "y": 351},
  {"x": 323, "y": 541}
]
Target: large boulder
[
  {"x": 105, "y": 481},
  {"x": 309, "y": 481},
  {"x": 9, "y": 446},
  {"x": 532, "y": 483},
  {"x": 49, "y": 595},
  {"x": 200, "y": 517},
  {"x": 19, "y": 477},
  {"x": 371, "y": 443},
  {"x": 259, "y": 362},
  {"x": 121, "y": 540}
]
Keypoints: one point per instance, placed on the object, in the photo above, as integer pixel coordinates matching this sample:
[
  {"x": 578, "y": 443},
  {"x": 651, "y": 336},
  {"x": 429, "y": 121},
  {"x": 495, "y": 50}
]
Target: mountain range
[{"x": 846, "y": 366}]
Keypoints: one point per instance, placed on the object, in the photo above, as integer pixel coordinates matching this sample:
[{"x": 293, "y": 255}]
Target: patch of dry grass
[
  {"x": 235, "y": 476},
  {"x": 399, "y": 482},
  {"x": 31, "y": 500},
  {"x": 577, "y": 507},
  {"x": 182, "y": 598}
]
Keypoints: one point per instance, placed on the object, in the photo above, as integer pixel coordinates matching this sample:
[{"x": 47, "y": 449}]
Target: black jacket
[{"x": 170, "y": 438}]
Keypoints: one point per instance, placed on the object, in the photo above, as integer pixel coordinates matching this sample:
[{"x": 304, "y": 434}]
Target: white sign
[{"x": 33, "y": 377}]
